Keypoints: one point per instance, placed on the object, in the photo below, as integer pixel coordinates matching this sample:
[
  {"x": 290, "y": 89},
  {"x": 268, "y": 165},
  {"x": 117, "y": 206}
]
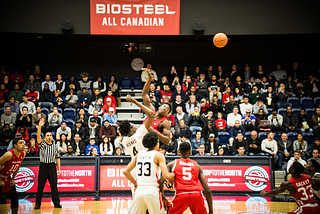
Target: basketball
[{"x": 220, "y": 40}]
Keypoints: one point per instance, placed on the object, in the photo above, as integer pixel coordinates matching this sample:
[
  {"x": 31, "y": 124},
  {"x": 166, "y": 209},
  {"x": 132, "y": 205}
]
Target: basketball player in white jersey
[{"x": 147, "y": 164}]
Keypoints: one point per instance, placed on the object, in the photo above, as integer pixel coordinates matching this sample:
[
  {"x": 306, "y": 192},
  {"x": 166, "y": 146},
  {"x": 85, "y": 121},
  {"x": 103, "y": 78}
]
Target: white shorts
[{"x": 147, "y": 198}]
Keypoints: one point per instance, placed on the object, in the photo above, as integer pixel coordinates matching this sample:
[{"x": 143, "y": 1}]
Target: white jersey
[
  {"x": 148, "y": 173},
  {"x": 133, "y": 144}
]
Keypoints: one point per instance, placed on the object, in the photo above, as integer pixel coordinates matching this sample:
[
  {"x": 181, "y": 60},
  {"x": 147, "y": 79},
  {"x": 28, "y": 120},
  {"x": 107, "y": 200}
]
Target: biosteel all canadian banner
[
  {"x": 72, "y": 178},
  {"x": 135, "y": 17},
  {"x": 219, "y": 178}
]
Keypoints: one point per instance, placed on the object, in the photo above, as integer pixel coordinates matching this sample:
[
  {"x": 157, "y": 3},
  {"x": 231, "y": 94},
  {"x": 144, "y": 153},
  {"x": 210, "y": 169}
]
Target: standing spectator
[
  {"x": 54, "y": 120},
  {"x": 221, "y": 124},
  {"x": 240, "y": 141},
  {"x": 304, "y": 122},
  {"x": 278, "y": 74},
  {"x": 259, "y": 105},
  {"x": 196, "y": 120},
  {"x": 290, "y": 121},
  {"x": 192, "y": 92},
  {"x": 17, "y": 93},
  {"x": 59, "y": 84},
  {"x": 13, "y": 104},
  {"x": 49, "y": 155},
  {"x": 62, "y": 144},
  {"x": 232, "y": 117},
  {"x": 33, "y": 96},
  {"x": 172, "y": 74},
  {"x": 9, "y": 118},
  {"x": 191, "y": 104},
  {"x": 31, "y": 81},
  {"x": 233, "y": 133},
  {"x": 49, "y": 82},
  {"x": 178, "y": 103},
  {"x": 106, "y": 147},
  {"x": 71, "y": 99},
  {"x": 285, "y": 149},
  {"x": 297, "y": 157},
  {"x": 254, "y": 144},
  {"x": 46, "y": 97},
  {"x": 30, "y": 106},
  {"x": 25, "y": 119},
  {"x": 248, "y": 121},
  {"x": 214, "y": 88},
  {"x": 107, "y": 130},
  {"x": 245, "y": 105},
  {"x": 276, "y": 121},
  {"x": 6, "y": 135},
  {"x": 91, "y": 145},
  {"x": 113, "y": 85},
  {"x": 78, "y": 145},
  {"x": 282, "y": 96},
  {"x": 184, "y": 73},
  {"x": 201, "y": 150},
  {"x": 111, "y": 117},
  {"x": 70, "y": 152},
  {"x": 144, "y": 75},
  {"x": 59, "y": 99},
  {"x": 16, "y": 77},
  {"x": 195, "y": 143},
  {"x": 63, "y": 129},
  {"x": 33, "y": 147},
  {"x": 79, "y": 129},
  {"x": 182, "y": 129},
  {"x": 302, "y": 146},
  {"x": 270, "y": 146},
  {"x": 85, "y": 83}
]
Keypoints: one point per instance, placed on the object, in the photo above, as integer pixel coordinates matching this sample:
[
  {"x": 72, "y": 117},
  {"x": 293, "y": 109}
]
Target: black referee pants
[{"x": 47, "y": 171}]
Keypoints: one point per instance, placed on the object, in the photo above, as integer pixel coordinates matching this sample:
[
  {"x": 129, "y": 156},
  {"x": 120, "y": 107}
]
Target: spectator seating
[
  {"x": 137, "y": 83},
  {"x": 126, "y": 83},
  {"x": 54, "y": 135},
  {"x": 66, "y": 79},
  {"x": 223, "y": 138},
  {"x": 296, "y": 110},
  {"x": 306, "y": 102},
  {"x": 310, "y": 112},
  {"x": 69, "y": 113},
  {"x": 262, "y": 135},
  {"x": 247, "y": 134},
  {"x": 294, "y": 101},
  {"x": 1, "y": 111},
  {"x": 309, "y": 137},
  {"x": 34, "y": 134},
  {"x": 45, "y": 111},
  {"x": 269, "y": 110},
  {"x": 77, "y": 79},
  {"x": 282, "y": 111},
  {"x": 85, "y": 111},
  {"x": 292, "y": 136},
  {"x": 105, "y": 79},
  {"x": 70, "y": 123},
  {"x": 93, "y": 79},
  {"x": 53, "y": 78},
  {"x": 317, "y": 101},
  {"x": 277, "y": 137}
]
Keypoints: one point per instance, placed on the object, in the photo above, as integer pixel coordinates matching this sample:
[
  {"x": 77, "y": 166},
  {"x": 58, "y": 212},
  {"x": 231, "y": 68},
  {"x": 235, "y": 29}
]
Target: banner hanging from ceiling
[{"x": 135, "y": 17}]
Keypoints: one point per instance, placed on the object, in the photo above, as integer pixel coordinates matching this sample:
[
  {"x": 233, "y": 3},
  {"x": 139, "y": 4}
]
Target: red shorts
[
  {"x": 307, "y": 209},
  {"x": 7, "y": 186},
  {"x": 182, "y": 201}
]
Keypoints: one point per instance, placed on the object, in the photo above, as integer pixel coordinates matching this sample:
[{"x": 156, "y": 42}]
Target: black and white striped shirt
[{"x": 48, "y": 153}]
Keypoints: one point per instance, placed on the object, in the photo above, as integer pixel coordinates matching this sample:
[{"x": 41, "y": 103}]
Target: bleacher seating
[
  {"x": 70, "y": 123},
  {"x": 223, "y": 138},
  {"x": 317, "y": 102},
  {"x": 277, "y": 137},
  {"x": 296, "y": 110},
  {"x": 309, "y": 137},
  {"x": 137, "y": 83},
  {"x": 294, "y": 101},
  {"x": 306, "y": 102},
  {"x": 126, "y": 82},
  {"x": 292, "y": 136},
  {"x": 262, "y": 135},
  {"x": 85, "y": 110},
  {"x": 69, "y": 113},
  {"x": 310, "y": 112},
  {"x": 282, "y": 111},
  {"x": 45, "y": 111},
  {"x": 247, "y": 134}
]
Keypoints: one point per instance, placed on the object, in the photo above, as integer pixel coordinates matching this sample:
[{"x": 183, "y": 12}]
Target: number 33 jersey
[
  {"x": 148, "y": 173},
  {"x": 186, "y": 175},
  {"x": 304, "y": 192},
  {"x": 133, "y": 144}
]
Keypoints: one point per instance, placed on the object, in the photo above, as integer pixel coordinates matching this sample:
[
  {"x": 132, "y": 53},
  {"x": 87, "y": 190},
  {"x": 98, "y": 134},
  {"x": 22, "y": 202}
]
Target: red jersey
[
  {"x": 304, "y": 192},
  {"x": 187, "y": 176},
  {"x": 10, "y": 167}
]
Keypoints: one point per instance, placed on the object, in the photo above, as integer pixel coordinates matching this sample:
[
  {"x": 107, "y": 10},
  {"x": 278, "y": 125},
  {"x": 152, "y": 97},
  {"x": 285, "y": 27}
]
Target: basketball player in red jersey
[
  {"x": 9, "y": 164},
  {"x": 160, "y": 124},
  {"x": 300, "y": 189},
  {"x": 187, "y": 191}
]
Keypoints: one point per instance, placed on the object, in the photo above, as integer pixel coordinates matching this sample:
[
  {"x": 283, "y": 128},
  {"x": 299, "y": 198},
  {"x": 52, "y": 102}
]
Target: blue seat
[
  {"x": 105, "y": 79},
  {"x": 247, "y": 134},
  {"x": 269, "y": 110},
  {"x": 69, "y": 113},
  {"x": 294, "y": 101},
  {"x": 3, "y": 149},
  {"x": 306, "y": 102},
  {"x": 93, "y": 79},
  {"x": 53, "y": 78},
  {"x": 282, "y": 111},
  {"x": 1, "y": 111},
  {"x": 296, "y": 111},
  {"x": 223, "y": 138},
  {"x": 277, "y": 137},
  {"x": 310, "y": 112},
  {"x": 77, "y": 79},
  {"x": 45, "y": 111},
  {"x": 70, "y": 123},
  {"x": 66, "y": 79},
  {"x": 85, "y": 111},
  {"x": 309, "y": 137},
  {"x": 262, "y": 135},
  {"x": 126, "y": 82},
  {"x": 118, "y": 79},
  {"x": 54, "y": 135},
  {"x": 292, "y": 136},
  {"x": 137, "y": 83},
  {"x": 317, "y": 101},
  {"x": 34, "y": 134}
]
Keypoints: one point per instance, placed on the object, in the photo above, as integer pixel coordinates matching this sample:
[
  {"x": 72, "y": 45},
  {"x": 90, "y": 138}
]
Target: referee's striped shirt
[{"x": 48, "y": 153}]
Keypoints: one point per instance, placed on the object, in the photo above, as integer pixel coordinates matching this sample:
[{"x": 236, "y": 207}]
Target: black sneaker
[
  {"x": 58, "y": 206},
  {"x": 37, "y": 207}
]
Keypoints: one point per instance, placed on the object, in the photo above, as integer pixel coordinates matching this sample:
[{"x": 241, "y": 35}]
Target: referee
[{"x": 49, "y": 153}]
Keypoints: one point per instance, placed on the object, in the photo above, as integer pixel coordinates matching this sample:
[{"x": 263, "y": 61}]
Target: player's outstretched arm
[
  {"x": 283, "y": 187},
  {"x": 128, "y": 169},
  {"x": 165, "y": 137},
  {"x": 41, "y": 123},
  {"x": 4, "y": 158},
  {"x": 161, "y": 161},
  {"x": 206, "y": 188},
  {"x": 148, "y": 111},
  {"x": 145, "y": 91}
]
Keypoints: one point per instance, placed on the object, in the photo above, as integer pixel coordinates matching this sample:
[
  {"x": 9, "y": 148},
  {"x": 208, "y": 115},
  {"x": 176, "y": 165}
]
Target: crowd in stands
[{"x": 220, "y": 113}]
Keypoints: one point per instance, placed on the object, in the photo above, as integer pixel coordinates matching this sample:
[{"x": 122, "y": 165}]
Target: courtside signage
[{"x": 135, "y": 17}]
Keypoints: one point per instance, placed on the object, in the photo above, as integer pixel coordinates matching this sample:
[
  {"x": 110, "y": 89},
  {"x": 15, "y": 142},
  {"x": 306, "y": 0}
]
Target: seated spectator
[
  {"x": 238, "y": 95},
  {"x": 179, "y": 91},
  {"x": 17, "y": 93},
  {"x": 165, "y": 93},
  {"x": 101, "y": 85},
  {"x": 186, "y": 85},
  {"x": 113, "y": 85},
  {"x": 232, "y": 117},
  {"x": 304, "y": 122},
  {"x": 278, "y": 74},
  {"x": 270, "y": 146},
  {"x": 30, "y": 106},
  {"x": 245, "y": 105},
  {"x": 107, "y": 105},
  {"x": 226, "y": 96},
  {"x": 33, "y": 147},
  {"x": 296, "y": 157},
  {"x": 259, "y": 117},
  {"x": 82, "y": 117},
  {"x": 6, "y": 135},
  {"x": 144, "y": 75},
  {"x": 254, "y": 95},
  {"x": 49, "y": 82},
  {"x": 90, "y": 146},
  {"x": 106, "y": 147},
  {"x": 316, "y": 119},
  {"x": 84, "y": 98},
  {"x": 259, "y": 105},
  {"x": 201, "y": 150},
  {"x": 7, "y": 82},
  {"x": 16, "y": 77},
  {"x": 269, "y": 98},
  {"x": 214, "y": 88},
  {"x": 204, "y": 107},
  {"x": 302, "y": 146},
  {"x": 212, "y": 145},
  {"x": 46, "y": 97},
  {"x": 291, "y": 87},
  {"x": 195, "y": 143},
  {"x": 118, "y": 152},
  {"x": 9, "y": 118},
  {"x": 59, "y": 99},
  {"x": 248, "y": 121},
  {"x": 179, "y": 115},
  {"x": 282, "y": 96},
  {"x": 24, "y": 133},
  {"x": 62, "y": 143},
  {"x": 191, "y": 104},
  {"x": 96, "y": 94},
  {"x": 4, "y": 93},
  {"x": 249, "y": 86},
  {"x": 107, "y": 130},
  {"x": 54, "y": 120},
  {"x": 263, "y": 85},
  {"x": 13, "y": 104},
  {"x": 315, "y": 145},
  {"x": 163, "y": 149},
  {"x": 72, "y": 84},
  {"x": 202, "y": 87},
  {"x": 196, "y": 120},
  {"x": 230, "y": 105},
  {"x": 172, "y": 146},
  {"x": 98, "y": 105},
  {"x": 79, "y": 129},
  {"x": 216, "y": 105},
  {"x": 240, "y": 141},
  {"x": 70, "y": 152},
  {"x": 313, "y": 86},
  {"x": 111, "y": 96},
  {"x": 226, "y": 84},
  {"x": 315, "y": 155},
  {"x": 209, "y": 128},
  {"x": 98, "y": 119},
  {"x": 71, "y": 99},
  {"x": 301, "y": 90},
  {"x": 155, "y": 93},
  {"x": 285, "y": 150},
  {"x": 85, "y": 83},
  {"x": 17, "y": 135},
  {"x": 154, "y": 102},
  {"x": 241, "y": 151},
  {"x": 182, "y": 129},
  {"x": 93, "y": 129},
  {"x": 254, "y": 143},
  {"x": 63, "y": 129},
  {"x": 290, "y": 121},
  {"x": 111, "y": 117},
  {"x": 276, "y": 121},
  {"x": 178, "y": 103},
  {"x": 221, "y": 124},
  {"x": 36, "y": 118},
  {"x": 221, "y": 151},
  {"x": 38, "y": 75},
  {"x": 78, "y": 145},
  {"x": 192, "y": 92},
  {"x": 241, "y": 86},
  {"x": 25, "y": 119},
  {"x": 32, "y": 81}
]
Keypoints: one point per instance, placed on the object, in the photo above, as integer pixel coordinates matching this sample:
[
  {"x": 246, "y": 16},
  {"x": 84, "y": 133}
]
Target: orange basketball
[{"x": 220, "y": 40}]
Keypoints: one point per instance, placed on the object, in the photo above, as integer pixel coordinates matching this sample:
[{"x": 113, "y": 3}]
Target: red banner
[
  {"x": 72, "y": 178},
  {"x": 219, "y": 178},
  {"x": 135, "y": 17}
]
